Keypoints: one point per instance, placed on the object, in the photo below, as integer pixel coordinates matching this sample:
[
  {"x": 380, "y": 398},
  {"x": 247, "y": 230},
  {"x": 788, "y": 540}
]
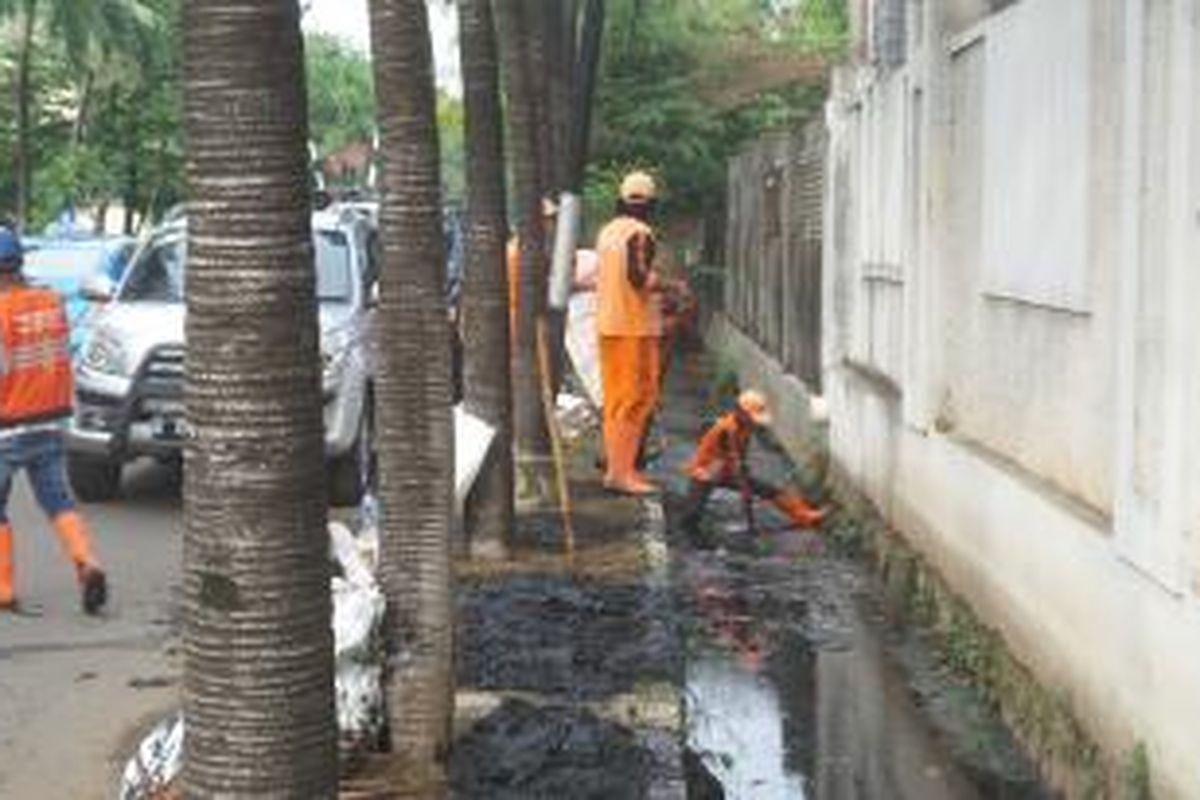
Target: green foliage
[
  {"x": 341, "y": 107},
  {"x": 341, "y": 93},
  {"x": 453, "y": 147},
  {"x": 105, "y": 108},
  {"x": 652, "y": 110},
  {"x": 1135, "y": 776}
]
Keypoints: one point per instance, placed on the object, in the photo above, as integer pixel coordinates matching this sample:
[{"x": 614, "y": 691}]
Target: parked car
[
  {"x": 129, "y": 379},
  {"x": 67, "y": 264}
]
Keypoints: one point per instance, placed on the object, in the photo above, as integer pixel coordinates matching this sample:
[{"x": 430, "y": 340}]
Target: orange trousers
[{"x": 630, "y": 369}]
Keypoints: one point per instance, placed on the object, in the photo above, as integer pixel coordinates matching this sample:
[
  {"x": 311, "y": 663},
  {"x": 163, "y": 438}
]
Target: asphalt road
[{"x": 76, "y": 692}]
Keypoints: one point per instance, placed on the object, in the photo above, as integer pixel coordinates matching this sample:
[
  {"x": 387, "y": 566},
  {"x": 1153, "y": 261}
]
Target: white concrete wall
[{"x": 1009, "y": 355}]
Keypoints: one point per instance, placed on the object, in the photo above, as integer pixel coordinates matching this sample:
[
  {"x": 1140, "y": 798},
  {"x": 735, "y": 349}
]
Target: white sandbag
[
  {"x": 472, "y": 438},
  {"x": 583, "y": 344},
  {"x": 345, "y": 550},
  {"x": 357, "y": 615},
  {"x": 358, "y": 609},
  {"x": 359, "y": 695},
  {"x": 576, "y": 416},
  {"x": 156, "y": 763}
]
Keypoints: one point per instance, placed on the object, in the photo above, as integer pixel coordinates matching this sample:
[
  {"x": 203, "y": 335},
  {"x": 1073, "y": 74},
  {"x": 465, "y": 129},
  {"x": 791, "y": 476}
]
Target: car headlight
[{"x": 104, "y": 353}]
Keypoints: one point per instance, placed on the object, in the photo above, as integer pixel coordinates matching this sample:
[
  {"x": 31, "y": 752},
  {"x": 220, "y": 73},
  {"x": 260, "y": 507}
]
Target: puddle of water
[
  {"x": 774, "y": 716},
  {"x": 736, "y": 725}
]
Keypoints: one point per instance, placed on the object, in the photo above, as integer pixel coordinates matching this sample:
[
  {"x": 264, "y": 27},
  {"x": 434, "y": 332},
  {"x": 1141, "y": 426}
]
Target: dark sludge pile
[
  {"x": 579, "y": 639},
  {"x": 528, "y": 752}
]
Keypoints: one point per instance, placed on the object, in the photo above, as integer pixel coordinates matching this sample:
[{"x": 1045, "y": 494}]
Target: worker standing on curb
[
  {"x": 35, "y": 396},
  {"x": 720, "y": 462},
  {"x": 630, "y": 328}
]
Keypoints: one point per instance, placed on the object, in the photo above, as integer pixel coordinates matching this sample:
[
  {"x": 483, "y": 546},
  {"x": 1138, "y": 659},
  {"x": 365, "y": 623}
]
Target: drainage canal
[{"x": 796, "y": 683}]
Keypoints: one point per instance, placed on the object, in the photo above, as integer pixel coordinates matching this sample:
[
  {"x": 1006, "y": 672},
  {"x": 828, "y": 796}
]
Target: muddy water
[{"x": 796, "y": 685}]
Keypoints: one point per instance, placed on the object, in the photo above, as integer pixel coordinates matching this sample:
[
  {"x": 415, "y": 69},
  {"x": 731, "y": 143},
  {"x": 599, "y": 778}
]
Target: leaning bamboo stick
[{"x": 556, "y": 445}]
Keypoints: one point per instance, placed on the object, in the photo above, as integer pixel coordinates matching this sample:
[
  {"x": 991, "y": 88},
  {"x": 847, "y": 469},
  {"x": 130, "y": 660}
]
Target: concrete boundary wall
[
  {"x": 1027, "y": 418},
  {"x": 1017, "y": 393}
]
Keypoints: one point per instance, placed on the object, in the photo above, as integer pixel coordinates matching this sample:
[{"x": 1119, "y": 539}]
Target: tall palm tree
[
  {"x": 82, "y": 27},
  {"x": 486, "y": 374},
  {"x": 415, "y": 444},
  {"x": 258, "y": 667},
  {"x": 518, "y": 20}
]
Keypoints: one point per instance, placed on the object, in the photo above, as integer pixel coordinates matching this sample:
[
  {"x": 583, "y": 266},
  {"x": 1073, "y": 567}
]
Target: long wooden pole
[{"x": 556, "y": 444}]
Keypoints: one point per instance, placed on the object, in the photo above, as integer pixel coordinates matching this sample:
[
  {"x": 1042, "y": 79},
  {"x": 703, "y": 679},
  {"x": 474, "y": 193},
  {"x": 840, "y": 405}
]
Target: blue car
[{"x": 66, "y": 264}]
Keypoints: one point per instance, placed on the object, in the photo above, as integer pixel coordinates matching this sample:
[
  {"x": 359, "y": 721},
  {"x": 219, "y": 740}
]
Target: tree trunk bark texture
[
  {"x": 23, "y": 154},
  {"x": 415, "y": 435},
  {"x": 518, "y": 19},
  {"x": 258, "y": 646},
  {"x": 487, "y": 374}
]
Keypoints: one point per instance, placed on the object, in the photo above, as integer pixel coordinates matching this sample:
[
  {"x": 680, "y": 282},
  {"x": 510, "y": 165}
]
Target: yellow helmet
[
  {"x": 638, "y": 187},
  {"x": 754, "y": 404}
]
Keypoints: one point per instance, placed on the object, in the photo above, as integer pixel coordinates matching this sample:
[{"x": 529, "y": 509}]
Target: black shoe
[{"x": 95, "y": 590}]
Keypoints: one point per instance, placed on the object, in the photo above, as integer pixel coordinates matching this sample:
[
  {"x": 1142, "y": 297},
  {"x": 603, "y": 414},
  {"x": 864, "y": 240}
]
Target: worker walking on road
[
  {"x": 629, "y": 324},
  {"x": 720, "y": 462},
  {"x": 35, "y": 396}
]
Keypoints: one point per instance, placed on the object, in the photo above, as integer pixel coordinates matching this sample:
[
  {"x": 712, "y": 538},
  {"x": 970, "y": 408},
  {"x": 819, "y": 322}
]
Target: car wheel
[
  {"x": 352, "y": 473},
  {"x": 94, "y": 480}
]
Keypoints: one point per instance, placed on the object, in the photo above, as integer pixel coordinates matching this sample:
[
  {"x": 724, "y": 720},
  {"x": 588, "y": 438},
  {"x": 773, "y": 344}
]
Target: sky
[{"x": 348, "y": 19}]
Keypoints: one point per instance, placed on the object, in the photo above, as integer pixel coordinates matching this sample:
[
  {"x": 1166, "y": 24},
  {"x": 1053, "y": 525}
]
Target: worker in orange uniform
[
  {"x": 630, "y": 327},
  {"x": 720, "y": 462},
  {"x": 513, "y": 258},
  {"x": 35, "y": 397}
]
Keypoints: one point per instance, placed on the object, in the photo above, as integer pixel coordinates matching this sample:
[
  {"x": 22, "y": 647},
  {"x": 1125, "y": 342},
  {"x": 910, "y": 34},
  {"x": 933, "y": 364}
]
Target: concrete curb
[{"x": 664, "y": 743}]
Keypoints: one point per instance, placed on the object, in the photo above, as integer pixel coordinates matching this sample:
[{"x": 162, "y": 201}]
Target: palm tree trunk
[
  {"x": 558, "y": 27},
  {"x": 416, "y": 450},
  {"x": 23, "y": 151},
  {"x": 590, "y": 38},
  {"x": 487, "y": 378},
  {"x": 79, "y": 128},
  {"x": 258, "y": 646},
  {"x": 532, "y": 438}
]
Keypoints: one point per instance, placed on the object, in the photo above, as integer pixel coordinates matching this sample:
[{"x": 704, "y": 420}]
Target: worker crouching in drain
[
  {"x": 35, "y": 397},
  {"x": 720, "y": 463}
]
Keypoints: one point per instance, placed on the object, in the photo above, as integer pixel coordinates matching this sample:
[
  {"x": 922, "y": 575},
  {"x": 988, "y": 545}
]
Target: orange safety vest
[
  {"x": 35, "y": 367},
  {"x": 721, "y": 450},
  {"x": 622, "y": 308},
  {"x": 512, "y": 255}
]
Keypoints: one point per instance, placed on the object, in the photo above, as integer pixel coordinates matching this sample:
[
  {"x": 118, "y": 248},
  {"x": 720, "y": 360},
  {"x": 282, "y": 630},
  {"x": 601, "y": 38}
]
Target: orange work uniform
[
  {"x": 512, "y": 255},
  {"x": 35, "y": 368},
  {"x": 35, "y": 390},
  {"x": 720, "y": 462},
  {"x": 629, "y": 325}
]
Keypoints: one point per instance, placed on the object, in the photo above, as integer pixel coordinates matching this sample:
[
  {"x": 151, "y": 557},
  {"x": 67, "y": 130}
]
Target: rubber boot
[
  {"x": 693, "y": 510},
  {"x": 8, "y": 591},
  {"x": 798, "y": 510},
  {"x": 77, "y": 543},
  {"x": 622, "y": 475}
]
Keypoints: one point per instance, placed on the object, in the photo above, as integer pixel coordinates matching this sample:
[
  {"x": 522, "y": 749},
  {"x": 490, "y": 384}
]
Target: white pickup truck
[{"x": 129, "y": 380}]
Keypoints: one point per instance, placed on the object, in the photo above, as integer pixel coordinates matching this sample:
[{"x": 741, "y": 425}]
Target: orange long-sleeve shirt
[{"x": 722, "y": 450}]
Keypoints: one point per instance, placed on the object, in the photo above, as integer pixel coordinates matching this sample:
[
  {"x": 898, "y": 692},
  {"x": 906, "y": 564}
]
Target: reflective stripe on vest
[
  {"x": 35, "y": 367},
  {"x": 622, "y": 308}
]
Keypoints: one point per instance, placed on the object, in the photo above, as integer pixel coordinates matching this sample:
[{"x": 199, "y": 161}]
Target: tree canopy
[{"x": 669, "y": 100}]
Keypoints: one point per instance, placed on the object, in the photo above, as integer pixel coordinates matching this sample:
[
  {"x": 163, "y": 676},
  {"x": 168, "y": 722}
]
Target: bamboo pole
[{"x": 556, "y": 444}]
